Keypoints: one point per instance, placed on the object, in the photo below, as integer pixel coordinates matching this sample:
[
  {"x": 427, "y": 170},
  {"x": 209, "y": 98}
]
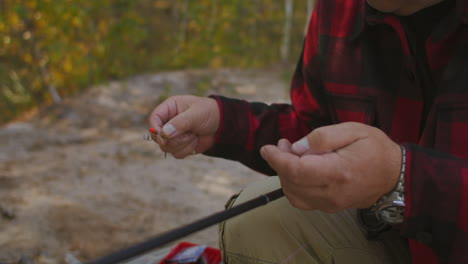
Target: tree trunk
[
  {"x": 286, "y": 46},
  {"x": 212, "y": 21},
  {"x": 41, "y": 60},
  {"x": 45, "y": 75},
  {"x": 182, "y": 36}
]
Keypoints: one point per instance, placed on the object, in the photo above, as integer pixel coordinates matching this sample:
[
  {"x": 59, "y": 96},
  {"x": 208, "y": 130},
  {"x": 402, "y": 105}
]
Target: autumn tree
[{"x": 53, "y": 49}]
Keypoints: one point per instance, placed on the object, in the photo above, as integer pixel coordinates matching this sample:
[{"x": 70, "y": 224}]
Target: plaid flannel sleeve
[
  {"x": 247, "y": 126},
  {"x": 437, "y": 203}
]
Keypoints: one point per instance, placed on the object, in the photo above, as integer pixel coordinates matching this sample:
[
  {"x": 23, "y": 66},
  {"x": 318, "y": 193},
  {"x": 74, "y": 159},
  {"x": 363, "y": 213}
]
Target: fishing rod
[{"x": 188, "y": 229}]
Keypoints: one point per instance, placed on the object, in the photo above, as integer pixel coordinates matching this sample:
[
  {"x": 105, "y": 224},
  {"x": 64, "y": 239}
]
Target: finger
[
  {"x": 163, "y": 113},
  {"x": 312, "y": 198},
  {"x": 186, "y": 121},
  {"x": 158, "y": 139},
  {"x": 180, "y": 141},
  {"x": 330, "y": 138},
  {"x": 310, "y": 171},
  {"x": 176, "y": 148},
  {"x": 304, "y": 198},
  {"x": 319, "y": 171},
  {"x": 295, "y": 200},
  {"x": 282, "y": 162},
  {"x": 186, "y": 151},
  {"x": 284, "y": 145}
]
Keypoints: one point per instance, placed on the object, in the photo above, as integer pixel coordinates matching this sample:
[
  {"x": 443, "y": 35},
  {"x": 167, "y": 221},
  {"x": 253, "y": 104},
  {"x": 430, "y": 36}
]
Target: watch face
[{"x": 392, "y": 214}]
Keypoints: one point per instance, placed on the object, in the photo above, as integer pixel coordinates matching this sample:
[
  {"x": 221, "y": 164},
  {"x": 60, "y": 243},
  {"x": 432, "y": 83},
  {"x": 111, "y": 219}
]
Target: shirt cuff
[{"x": 232, "y": 121}]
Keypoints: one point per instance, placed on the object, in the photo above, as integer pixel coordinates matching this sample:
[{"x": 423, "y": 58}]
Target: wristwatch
[{"x": 390, "y": 209}]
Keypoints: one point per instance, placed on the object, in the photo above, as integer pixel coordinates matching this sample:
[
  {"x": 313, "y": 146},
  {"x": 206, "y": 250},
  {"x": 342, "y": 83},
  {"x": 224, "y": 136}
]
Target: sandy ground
[{"x": 79, "y": 179}]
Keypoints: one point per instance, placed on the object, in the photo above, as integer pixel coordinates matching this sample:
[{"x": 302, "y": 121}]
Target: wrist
[
  {"x": 215, "y": 113},
  {"x": 218, "y": 116},
  {"x": 397, "y": 166}
]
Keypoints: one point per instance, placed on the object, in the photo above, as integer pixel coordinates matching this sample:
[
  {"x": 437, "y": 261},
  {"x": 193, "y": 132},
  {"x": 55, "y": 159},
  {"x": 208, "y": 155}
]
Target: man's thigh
[{"x": 279, "y": 233}]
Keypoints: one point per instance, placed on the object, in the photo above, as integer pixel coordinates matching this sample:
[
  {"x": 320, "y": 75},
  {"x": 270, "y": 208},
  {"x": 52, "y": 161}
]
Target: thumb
[
  {"x": 201, "y": 117},
  {"x": 330, "y": 138},
  {"x": 181, "y": 123}
]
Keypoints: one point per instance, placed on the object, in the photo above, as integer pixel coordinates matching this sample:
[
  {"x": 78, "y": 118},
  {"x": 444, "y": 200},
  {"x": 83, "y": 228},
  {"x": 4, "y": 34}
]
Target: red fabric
[
  {"x": 342, "y": 88},
  {"x": 356, "y": 65},
  {"x": 464, "y": 203},
  {"x": 420, "y": 253},
  {"x": 407, "y": 119},
  {"x": 254, "y": 123},
  {"x": 460, "y": 135},
  {"x": 211, "y": 255}
]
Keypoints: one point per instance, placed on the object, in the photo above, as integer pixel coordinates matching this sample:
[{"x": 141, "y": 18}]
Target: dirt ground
[{"x": 79, "y": 179}]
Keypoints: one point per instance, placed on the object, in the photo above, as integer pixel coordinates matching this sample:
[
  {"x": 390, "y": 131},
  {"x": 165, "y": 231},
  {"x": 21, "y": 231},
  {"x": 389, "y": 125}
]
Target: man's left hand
[{"x": 337, "y": 167}]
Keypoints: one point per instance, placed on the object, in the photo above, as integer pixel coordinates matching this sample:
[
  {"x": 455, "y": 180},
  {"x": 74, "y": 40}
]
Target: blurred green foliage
[{"x": 67, "y": 45}]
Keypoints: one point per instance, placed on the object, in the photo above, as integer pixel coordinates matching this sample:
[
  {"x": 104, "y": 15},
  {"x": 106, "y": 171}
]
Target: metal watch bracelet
[{"x": 390, "y": 209}]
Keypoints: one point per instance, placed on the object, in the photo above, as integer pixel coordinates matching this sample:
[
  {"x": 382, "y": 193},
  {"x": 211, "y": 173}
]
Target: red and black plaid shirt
[{"x": 357, "y": 66}]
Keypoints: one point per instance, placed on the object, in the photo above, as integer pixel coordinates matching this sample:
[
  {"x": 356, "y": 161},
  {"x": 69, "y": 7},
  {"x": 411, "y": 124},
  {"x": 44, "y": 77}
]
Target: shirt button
[{"x": 424, "y": 237}]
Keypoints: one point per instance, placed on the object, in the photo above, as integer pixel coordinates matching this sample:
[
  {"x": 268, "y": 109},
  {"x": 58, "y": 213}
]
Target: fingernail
[
  {"x": 263, "y": 152},
  {"x": 169, "y": 129},
  {"x": 281, "y": 143},
  {"x": 284, "y": 145},
  {"x": 301, "y": 146}
]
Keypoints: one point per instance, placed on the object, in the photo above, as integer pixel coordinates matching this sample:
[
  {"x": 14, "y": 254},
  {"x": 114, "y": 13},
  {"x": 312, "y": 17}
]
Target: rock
[
  {"x": 7, "y": 213},
  {"x": 26, "y": 260},
  {"x": 71, "y": 259},
  {"x": 19, "y": 127},
  {"x": 246, "y": 89}
]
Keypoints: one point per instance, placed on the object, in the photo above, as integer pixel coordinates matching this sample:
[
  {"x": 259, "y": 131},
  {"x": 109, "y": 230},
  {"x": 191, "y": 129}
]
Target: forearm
[{"x": 246, "y": 127}]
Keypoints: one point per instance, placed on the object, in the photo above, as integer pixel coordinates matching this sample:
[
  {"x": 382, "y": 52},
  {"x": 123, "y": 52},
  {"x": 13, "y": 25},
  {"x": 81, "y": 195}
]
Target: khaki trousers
[{"x": 280, "y": 233}]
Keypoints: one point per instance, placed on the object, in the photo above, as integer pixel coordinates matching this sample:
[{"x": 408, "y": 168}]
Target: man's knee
[
  {"x": 278, "y": 232},
  {"x": 249, "y": 227},
  {"x": 258, "y": 236}
]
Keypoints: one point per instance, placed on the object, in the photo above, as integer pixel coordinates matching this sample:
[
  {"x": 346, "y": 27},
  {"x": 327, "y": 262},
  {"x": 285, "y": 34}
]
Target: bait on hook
[{"x": 147, "y": 137}]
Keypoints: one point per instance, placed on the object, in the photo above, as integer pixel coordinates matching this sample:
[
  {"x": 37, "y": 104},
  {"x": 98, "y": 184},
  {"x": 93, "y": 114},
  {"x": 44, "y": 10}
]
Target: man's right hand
[{"x": 188, "y": 124}]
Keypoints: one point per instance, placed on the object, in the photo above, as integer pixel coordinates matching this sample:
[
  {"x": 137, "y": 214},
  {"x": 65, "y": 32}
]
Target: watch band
[{"x": 390, "y": 208}]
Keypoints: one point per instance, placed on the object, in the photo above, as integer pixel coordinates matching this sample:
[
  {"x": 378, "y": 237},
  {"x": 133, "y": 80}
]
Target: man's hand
[
  {"x": 349, "y": 165},
  {"x": 187, "y": 124}
]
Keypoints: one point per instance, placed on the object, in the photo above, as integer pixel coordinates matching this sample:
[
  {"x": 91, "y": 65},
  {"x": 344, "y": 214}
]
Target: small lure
[{"x": 147, "y": 137}]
